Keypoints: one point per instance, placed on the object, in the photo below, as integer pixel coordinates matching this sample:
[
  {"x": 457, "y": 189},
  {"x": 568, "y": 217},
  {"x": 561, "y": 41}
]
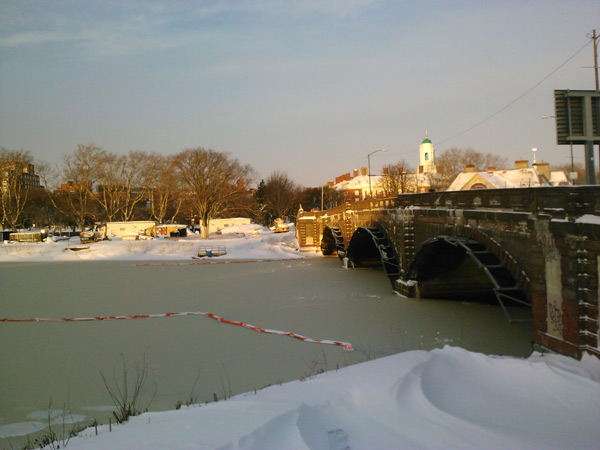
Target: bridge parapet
[
  {"x": 548, "y": 239},
  {"x": 310, "y": 225},
  {"x": 560, "y": 202}
]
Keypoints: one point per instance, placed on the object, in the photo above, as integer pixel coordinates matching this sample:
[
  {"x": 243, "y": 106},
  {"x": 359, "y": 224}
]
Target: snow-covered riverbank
[
  {"x": 443, "y": 399},
  {"x": 242, "y": 242},
  {"x": 439, "y": 399}
]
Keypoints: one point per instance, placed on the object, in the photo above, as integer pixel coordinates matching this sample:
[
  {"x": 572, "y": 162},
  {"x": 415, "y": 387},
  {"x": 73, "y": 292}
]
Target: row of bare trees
[
  {"x": 193, "y": 184},
  {"x": 98, "y": 185},
  {"x": 92, "y": 185}
]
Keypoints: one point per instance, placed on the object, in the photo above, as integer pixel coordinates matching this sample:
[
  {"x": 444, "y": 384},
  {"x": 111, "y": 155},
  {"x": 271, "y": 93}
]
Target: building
[
  {"x": 218, "y": 224},
  {"x": 357, "y": 187},
  {"x": 520, "y": 177},
  {"x": 427, "y": 156},
  {"x": 425, "y": 179},
  {"x": 25, "y": 175},
  {"x": 70, "y": 187}
]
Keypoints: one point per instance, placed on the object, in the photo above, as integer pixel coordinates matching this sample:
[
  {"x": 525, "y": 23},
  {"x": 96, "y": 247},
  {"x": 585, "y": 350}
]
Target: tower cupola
[{"x": 427, "y": 156}]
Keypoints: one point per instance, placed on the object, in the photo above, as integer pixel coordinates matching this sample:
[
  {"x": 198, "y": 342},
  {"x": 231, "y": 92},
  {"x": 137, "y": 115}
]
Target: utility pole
[
  {"x": 591, "y": 144},
  {"x": 595, "y": 43},
  {"x": 322, "y": 196}
]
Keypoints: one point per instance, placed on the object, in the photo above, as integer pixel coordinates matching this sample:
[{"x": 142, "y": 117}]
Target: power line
[{"x": 519, "y": 97}]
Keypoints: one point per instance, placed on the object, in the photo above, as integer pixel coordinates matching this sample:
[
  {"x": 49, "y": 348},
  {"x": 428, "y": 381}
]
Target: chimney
[
  {"x": 363, "y": 171},
  {"x": 521, "y": 164},
  {"x": 400, "y": 170},
  {"x": 544, "y": 169},
  {"x": 240, "y": 184},
  {"x": 355, "y": 173},
  {"x": 385, "y": 170},
  {"x": 469, "y": 168},
  {"x": 491, "y": 169},
  {"x": 420, "y": 169}
]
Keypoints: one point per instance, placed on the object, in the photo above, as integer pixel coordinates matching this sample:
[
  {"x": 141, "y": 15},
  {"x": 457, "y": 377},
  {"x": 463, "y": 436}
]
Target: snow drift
[{"x": 443, "y": 399}]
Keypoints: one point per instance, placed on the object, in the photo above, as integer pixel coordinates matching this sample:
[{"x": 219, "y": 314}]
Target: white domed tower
[{"x": 427, "y": 157}]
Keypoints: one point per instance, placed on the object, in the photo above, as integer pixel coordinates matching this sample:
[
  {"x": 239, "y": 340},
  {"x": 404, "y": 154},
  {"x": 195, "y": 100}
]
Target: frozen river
[{"x": 60, "y": 363}]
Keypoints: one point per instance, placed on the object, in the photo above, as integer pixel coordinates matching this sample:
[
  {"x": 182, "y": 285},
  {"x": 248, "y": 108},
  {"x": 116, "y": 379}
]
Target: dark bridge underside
[
  {"x": 462, "y": 268},
  {"x": 362, "y": 249},
  {"x": 443, "y": 270},
  {"x": 332, "y": 242},
  {"x": 371, "y": 246},
  {"x": 446, "y": 267}
]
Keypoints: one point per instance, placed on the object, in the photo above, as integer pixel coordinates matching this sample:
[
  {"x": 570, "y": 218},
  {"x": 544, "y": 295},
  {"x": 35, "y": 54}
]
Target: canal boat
[{"x": 77, "y": 248}]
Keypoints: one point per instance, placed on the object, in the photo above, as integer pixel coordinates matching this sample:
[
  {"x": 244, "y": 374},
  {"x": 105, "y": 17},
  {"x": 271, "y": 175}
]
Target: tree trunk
[{"x": 205, "y": 230}]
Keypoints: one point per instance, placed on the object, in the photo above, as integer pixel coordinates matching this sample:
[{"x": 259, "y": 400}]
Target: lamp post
[
  {"x": 572, "y": 163},
  {"x": 369, "y": 167}
]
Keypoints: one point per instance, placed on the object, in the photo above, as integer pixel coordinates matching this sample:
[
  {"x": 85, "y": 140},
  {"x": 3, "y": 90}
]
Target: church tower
[{"x": 427, "y": 158}]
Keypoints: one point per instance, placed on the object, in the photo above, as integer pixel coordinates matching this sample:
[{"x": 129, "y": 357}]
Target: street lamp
[
  {"x": 572, "y": 163},
  {"x": 369, "y": 166}
]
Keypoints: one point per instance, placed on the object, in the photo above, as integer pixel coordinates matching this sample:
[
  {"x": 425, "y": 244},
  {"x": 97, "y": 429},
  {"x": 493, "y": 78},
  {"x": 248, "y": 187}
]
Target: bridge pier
[{"x": 547, "y": 240}]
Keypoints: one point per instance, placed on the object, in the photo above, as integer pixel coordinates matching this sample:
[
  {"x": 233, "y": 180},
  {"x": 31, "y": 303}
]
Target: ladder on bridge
[
  {"x": 504, "y": 285},
  {"x": 389, "y": 259},
  {"x": 338, "y": 237}
]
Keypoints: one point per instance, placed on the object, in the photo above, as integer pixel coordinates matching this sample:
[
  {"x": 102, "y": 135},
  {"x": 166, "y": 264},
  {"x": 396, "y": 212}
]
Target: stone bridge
[{"x": 538, "y": 247}]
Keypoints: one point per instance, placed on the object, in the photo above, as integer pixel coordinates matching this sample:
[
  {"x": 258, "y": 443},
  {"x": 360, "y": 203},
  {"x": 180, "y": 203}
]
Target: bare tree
[
  {"x": 396, "y": 178},
  {"x": 80, "y": 170},
  {"x": 117, "y": 183},
  {"x": 135, "y": 181},
  {"x": 280, "y": 194},
  {"x": 122, "y": 183},
  {"x": 110, "y": 189},
  {"x": 211, "y": 179},
  {"x": 14, "y": 193},
  {"x": 317, "y": 197},
  {"x": 163, "y": 187},
  {"x": 42, "y": 210},
  {"x": 453, "y": 161}
]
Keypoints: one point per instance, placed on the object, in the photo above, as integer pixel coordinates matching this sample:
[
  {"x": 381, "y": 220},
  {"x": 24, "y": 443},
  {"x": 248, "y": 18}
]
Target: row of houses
[{"x": 362, "y": 185}]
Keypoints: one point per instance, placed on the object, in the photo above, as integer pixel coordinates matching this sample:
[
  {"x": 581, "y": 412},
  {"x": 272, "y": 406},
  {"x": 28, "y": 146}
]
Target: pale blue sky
[{"x": 306, "y": 87}]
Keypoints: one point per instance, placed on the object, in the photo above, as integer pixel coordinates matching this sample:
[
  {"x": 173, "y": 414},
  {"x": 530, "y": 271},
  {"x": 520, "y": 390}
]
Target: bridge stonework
[{"x": 548, "y": 239}]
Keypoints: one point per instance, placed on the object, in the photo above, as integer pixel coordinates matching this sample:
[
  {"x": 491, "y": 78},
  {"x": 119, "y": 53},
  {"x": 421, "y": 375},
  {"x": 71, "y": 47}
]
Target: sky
[{"x": 308, "y": 88}]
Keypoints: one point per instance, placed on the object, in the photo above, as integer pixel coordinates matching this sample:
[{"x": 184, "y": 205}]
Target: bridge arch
[
  {"x": 372, "y": 246},
  {"x": 462, "y": 266},
  {"x": 333, "y": 241},
  {"x": 502, "y": 253}
]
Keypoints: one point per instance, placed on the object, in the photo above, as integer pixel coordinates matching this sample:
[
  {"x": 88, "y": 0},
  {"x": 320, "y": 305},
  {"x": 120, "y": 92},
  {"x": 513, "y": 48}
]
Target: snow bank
[
  {"x": 442, "y": 399},
  {"x": 589, "y": 218},
  {"x": 242, "y": 242}
]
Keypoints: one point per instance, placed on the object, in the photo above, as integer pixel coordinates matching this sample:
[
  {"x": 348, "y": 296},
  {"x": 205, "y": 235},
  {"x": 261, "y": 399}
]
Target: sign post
[{"x": 578, "y": 122}]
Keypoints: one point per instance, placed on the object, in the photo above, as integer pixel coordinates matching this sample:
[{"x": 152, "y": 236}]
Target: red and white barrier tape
[
  {"x": 203, "y": 262},
  {"x": 345, "y": 345}
]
